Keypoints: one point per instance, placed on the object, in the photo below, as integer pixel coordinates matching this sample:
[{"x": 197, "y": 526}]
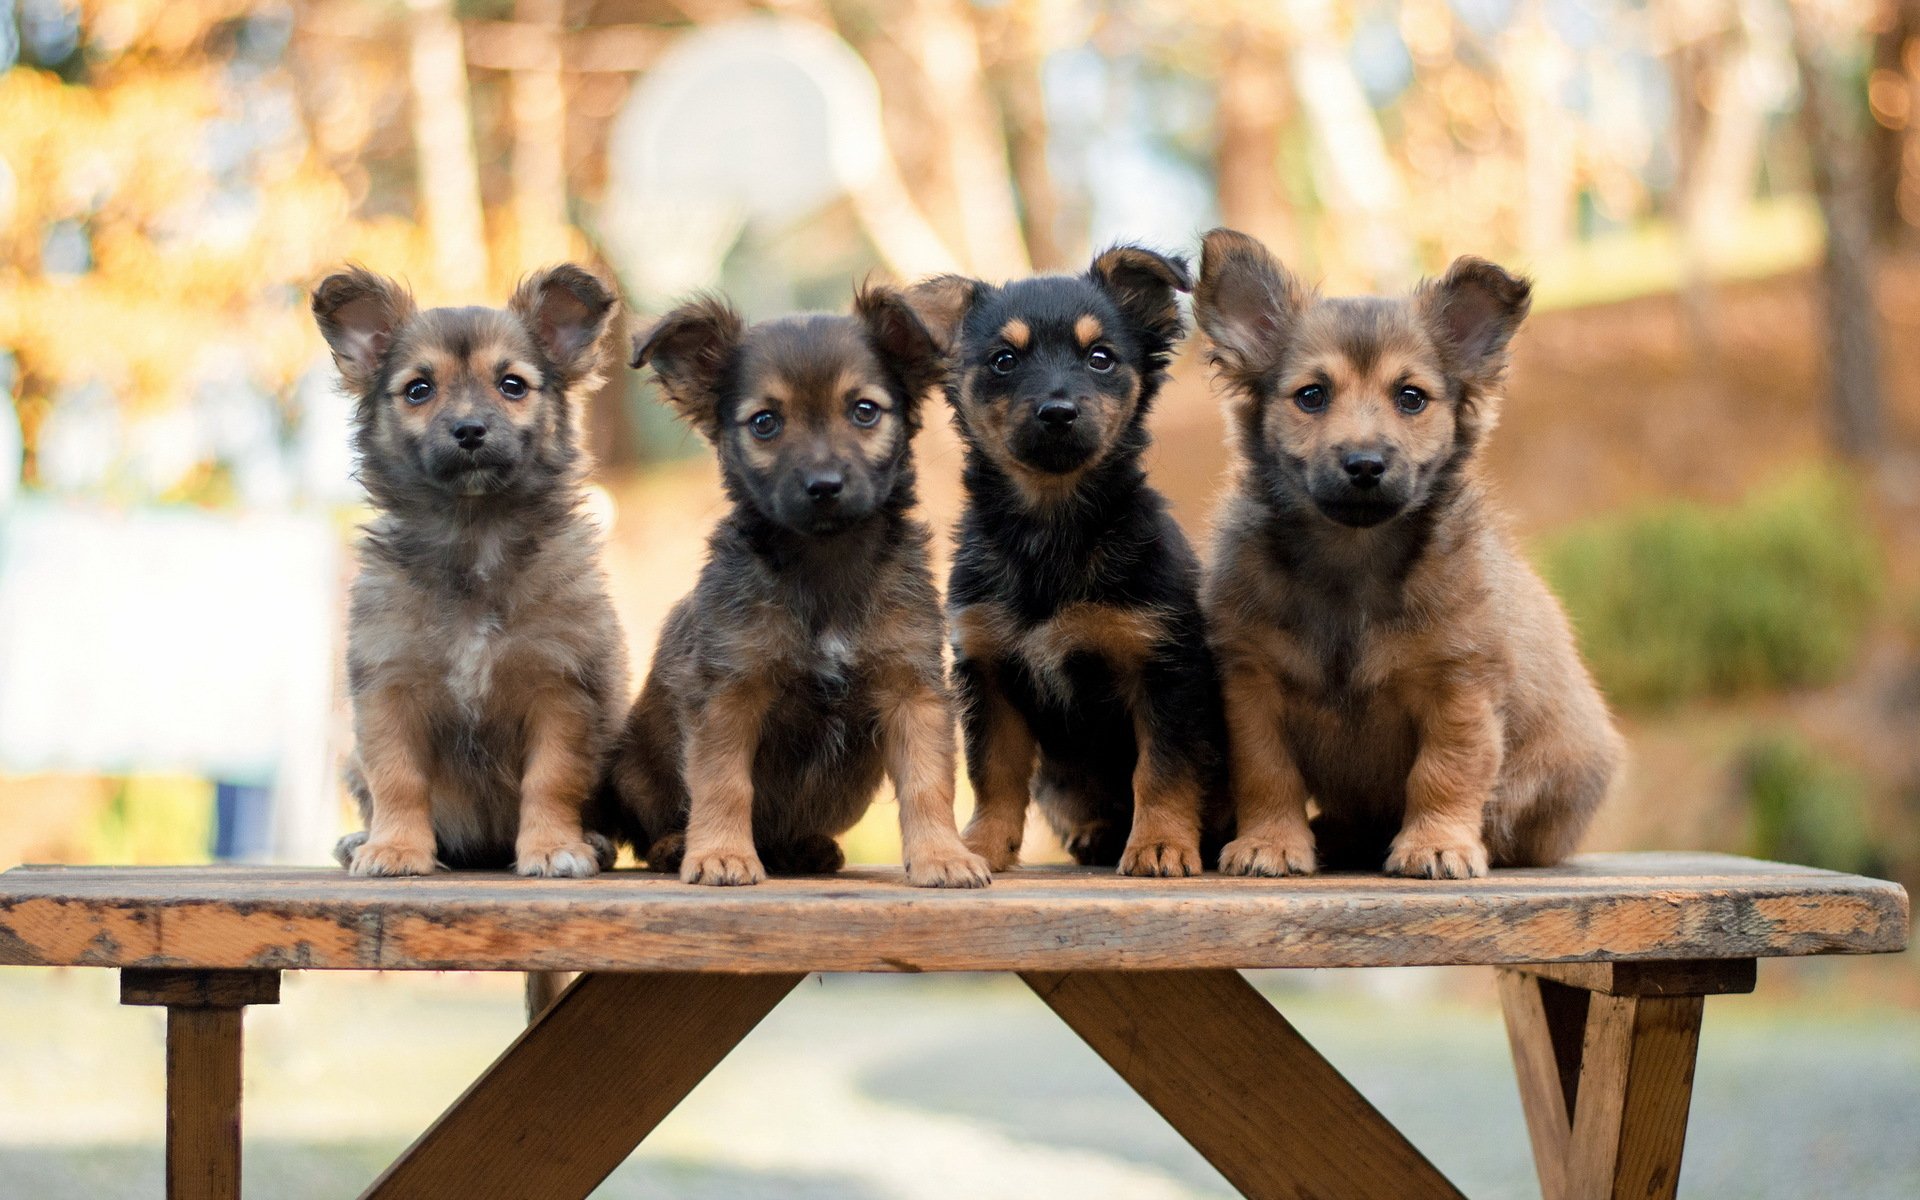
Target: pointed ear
[
  {"x": 688, "y": 349},
  {"x": 358, "y": 313},
  {"x": 942, "y": 304},
  {"x": 1144, "y": 284},
  {"x": 902, "y": 340},
  {"x": 567, "y": 309},
  {"x": 1473, "y": 311},
  {"x": 1245, "y": 303}
]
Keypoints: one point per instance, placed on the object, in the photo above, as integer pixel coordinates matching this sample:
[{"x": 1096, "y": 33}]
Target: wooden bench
[{"x": 1603, "y": 967}]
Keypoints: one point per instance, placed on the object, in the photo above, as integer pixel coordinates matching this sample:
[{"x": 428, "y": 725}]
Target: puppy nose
[
  {"x": 469, "y": 434},
  {"x": 825, "y": 486},
  {"x": 1057, "y": 414},
  {"x": 1364, "y": 467}
]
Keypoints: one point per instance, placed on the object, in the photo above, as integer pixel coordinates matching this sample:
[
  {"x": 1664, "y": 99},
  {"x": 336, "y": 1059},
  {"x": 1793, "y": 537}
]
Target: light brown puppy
[
  {"x": 483, "y": 657},
  {"x": 1386, "y": 652}
]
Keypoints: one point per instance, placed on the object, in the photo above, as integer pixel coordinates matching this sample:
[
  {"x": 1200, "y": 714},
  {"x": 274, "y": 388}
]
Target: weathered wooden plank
[
  {"x": 1546, "y": 1024},
  {"x": 1636, "y": 1085},
  {"x": 1717, "y": 977},
  {"x": 575, "y": 1093},
  {"x": 1237, "y": 1080},
  {"x": 203, "y": 1103},
  {"x": 1604, "y": 908},
  {"x": 198, "y": 989}
]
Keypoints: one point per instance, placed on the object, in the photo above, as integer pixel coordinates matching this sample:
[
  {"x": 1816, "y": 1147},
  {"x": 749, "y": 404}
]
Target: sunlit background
[{"x": 1711, "y": 446}]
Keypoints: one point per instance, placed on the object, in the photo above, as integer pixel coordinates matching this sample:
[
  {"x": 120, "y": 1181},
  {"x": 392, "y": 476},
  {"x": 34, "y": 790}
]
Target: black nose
[
  {"x": 825, "y": 486},
  {"x": 1057, "y": 414},
  {"x": 469, "y": 434},
  {"x": 1364, "y": 467}
]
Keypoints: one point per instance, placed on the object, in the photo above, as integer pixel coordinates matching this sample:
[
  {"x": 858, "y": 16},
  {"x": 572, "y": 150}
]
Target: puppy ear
[
  {"x": 902, "y": 340},
  {"x": 1473, "y": 311},
  {"x": 688, "y": 349},
  {"x": 942, "y": 304},
  {"x": 1143, "y": 283},
  {"x": 566, "y": 308},
  {"x": 1245, "y": 303},
  {"x": 358, "y": 313}
]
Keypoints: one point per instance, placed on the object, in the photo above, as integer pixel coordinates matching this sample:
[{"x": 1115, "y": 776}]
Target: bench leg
[
  {"x": 582, "y": 1085},
  {"x": 204, "y": 1011},
  {"x": 1606, "y": 1081},
  {"x": 1237, "y": 1080}
]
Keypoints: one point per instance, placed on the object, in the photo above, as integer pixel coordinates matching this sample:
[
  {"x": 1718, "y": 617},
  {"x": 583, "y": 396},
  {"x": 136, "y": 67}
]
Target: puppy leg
[
  {"x": 722, "y": 738},
  {"x": 814, "y": 854},
  {"x": 916, "y": 736},
  {"x": 666, "y": 854},
  {"x": 1000, "y": 753},
  {"x": 1270, "y": 797},
  {"x": 1167, "y": 794},
  {"x": 553, "y": 791},
  {"x": 1448, "y": 788},
  {"x": 394, "y": 754}
]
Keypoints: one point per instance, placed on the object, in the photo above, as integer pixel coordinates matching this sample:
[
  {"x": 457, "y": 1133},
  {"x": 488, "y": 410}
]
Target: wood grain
[
  {"x": 203, "y": 1103},
  {"x": 575, "y": 1093},
  {"x": 198, "y": 989},
  {"x": 1546, "y": 1025},
  {"x": 1719, "y": 977},
  {"x": 1636, "y": 1085},
  {"x": 1618, "y": 908},
  {"x": 1240, "y": 1083}
]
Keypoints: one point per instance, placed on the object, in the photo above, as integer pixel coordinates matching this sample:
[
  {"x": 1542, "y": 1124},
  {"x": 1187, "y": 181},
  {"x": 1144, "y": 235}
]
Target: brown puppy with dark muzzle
[
  {"x": 806, "y": 663},
  {"x": 483, "y": 657},
  {"x": 1385, "y": 649}
]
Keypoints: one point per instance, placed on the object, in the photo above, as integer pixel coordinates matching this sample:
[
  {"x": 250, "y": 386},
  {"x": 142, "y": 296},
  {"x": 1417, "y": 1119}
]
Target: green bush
[
  {"x": 1806, "y": 808},
  {"x": 1684, "y": 600}
]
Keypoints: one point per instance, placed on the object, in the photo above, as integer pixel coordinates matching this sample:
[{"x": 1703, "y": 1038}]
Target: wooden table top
[{"x": 1598, "y": 908}]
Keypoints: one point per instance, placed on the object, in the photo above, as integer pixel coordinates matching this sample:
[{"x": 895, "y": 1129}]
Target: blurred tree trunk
[
  {"x": 1016, "y": 74},
  {"x": 449, "y": 173},
  {"x": 941, "y": 40},
  {"x": 540, "y": 141},
  {"x": 1537, "y": 67},
  {"x": 1829, "y": 115},
  {"x": 1251, "y": 112},
  {"x": 1722, "y": 166}
]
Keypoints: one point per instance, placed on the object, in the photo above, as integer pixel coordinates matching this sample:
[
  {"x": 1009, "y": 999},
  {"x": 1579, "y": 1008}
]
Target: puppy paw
[
  {"x": 392, "y": 858},
  {"x": 1268, "y": 856},
  {"x": 563, "y": 860},
  {"x": 1164, "y": 859},
  {"x": 995, "y": 845},
  {"x": 722, "y": 868},
  {"x": 344, "y": 848},
  {"x": 1429, "y": 856},
  {"x": 605, "y": 853},
  {"x": 954, "y": 867}
]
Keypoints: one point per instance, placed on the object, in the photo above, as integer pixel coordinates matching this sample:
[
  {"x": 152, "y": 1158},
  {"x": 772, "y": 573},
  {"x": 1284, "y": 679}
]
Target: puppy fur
[
  {"x": 1385, "y": 650},
  {"x": 1080, "y": 661},
  {"x": 484, "y": 661},
  {"x": 806, "y": 663}
]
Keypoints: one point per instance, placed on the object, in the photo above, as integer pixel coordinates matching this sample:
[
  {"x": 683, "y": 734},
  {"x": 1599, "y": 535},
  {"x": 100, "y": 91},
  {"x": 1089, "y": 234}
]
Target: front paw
[
  {"x": 343, "y": 849},
  {"x": 558, "y": 860},
  {"x": 722, "y": 868},
  {"x": 1165, "y": 859},
  {"x": 1272, "y": 856},
  {"x": 954, "y": 866},
  {"x": 1429, "y": 855},
  {"x": 392, "y": 858},
  {"x": 993, "y": 843}
]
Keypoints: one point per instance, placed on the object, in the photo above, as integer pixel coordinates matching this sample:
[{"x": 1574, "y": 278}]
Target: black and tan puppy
[
  {"x": 483, "y": 657},
  {"x": 806, "y": 663},
  {"x": 1386, "y": 651},
  {"x": 1080, "y": 661}
]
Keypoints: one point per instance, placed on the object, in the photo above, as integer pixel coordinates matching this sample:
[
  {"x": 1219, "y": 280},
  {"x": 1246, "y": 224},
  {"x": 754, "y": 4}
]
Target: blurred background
[{"x": 1711, "y": 447}]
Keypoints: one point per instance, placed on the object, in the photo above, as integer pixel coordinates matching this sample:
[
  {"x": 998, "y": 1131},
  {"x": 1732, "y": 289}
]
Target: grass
[{"x": 1681, "y": 601}]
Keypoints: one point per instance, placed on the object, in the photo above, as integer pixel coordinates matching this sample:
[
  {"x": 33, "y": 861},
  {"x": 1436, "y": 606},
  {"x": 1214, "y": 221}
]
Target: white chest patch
[{"x": 475, "y": 648}]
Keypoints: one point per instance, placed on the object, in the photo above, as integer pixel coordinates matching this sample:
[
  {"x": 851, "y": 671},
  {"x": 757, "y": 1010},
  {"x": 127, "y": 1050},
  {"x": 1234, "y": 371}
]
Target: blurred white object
[
  {"x": 174, "y": 639},
  {"x": 12, "y": 456}
]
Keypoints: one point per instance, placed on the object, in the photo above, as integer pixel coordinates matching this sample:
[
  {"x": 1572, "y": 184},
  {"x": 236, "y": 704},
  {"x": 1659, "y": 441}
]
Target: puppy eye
[
  {"x": 1100, "y": 359},
  {"x": 419, "y": 392},
  {"x": 866, "y": 413},
  {"x": 513, "y": 387},
  {"x": 1003, "y": 362},
  {"x": 1411, "y": 400},
  {"x": 764, "y": 425},
  {"x": 1312, "y": 398}
]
